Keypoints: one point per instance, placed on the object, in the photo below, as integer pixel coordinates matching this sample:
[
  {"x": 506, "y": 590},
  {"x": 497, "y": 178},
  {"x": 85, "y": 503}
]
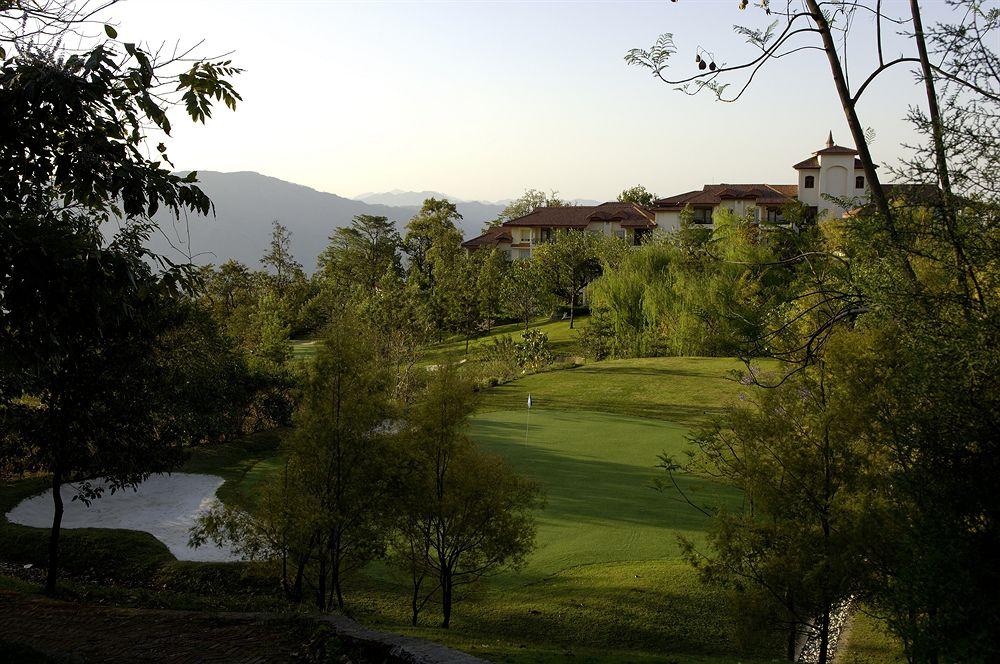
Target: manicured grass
[
  {"x": 596, "y": 470},
  {"x": 684, "y": 390},
  {"x": 867, "y": 641},
  {"x": 606, "y": 582},
  {"x": 562, "y": 340}
]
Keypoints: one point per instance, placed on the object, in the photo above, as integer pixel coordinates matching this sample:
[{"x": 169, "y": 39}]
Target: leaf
[{"x": 111, "y": 32}]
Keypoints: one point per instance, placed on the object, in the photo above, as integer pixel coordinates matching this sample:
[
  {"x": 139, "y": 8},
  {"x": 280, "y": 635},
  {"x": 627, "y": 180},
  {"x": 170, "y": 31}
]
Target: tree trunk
[
  {"x": 300, "y": 573},
  {"x": 793, "y": 631},
  {"x": 824, "y": 636},
  {"x": 572, "y": 306},
  {"x": 858, "y": 134},
  {"x": 964, "y": 271},
  {"x": 53, "y": 570},
  {"x": 415, "y": 598},
  {"x": 446, "y": 589},
  {"x": 335, "y": 566},
  {"x": 321, "y": 584}
]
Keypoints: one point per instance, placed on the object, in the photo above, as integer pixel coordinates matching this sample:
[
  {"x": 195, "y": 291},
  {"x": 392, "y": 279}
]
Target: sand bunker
[{"x": 165, "y": 506}]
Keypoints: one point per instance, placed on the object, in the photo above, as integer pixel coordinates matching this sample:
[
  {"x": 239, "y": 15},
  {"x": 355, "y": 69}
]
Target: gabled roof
[
  {"x": 491, "y": 238},
  {"x": 628, "y": 215},
  {"x": 713, "y": 194}
]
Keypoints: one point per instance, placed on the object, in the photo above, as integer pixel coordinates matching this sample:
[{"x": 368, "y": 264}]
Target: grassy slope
[
  {"x": 868, "y": 642},
  {"x": 684, "y": 390},
  {"x": 606, "y": 582},
  {"x": 562, "y": 340}
]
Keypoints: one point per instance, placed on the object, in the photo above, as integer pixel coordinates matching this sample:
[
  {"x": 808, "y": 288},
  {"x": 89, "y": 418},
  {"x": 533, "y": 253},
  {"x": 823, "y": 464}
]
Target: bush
[{"x": 533, "y": 351}]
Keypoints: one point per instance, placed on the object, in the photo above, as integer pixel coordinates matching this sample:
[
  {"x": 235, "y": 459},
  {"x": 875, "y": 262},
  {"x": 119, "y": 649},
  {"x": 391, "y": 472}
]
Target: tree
[
  {"x": 82, "y": 313},
  {"x": 797, "y": 456},
  {"x": 493, "y": 266},
  {"x": 569, "y": 263},
  {"x": 467, "y": 514},
  {"x": 433, "y": 225},
  {"x": 526, "y": 203},
  {"x": 361, "y": 253},
  {"x": 526, "y": 292},
  {"x": 285, "y": 270},
  {"x": 338, "y": 476},
  {"x": 457, "y": 293},
  {"x": 638, "y": 195}
]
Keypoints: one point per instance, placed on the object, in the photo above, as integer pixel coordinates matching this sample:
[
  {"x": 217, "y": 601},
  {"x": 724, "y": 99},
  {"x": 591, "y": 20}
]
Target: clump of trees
[
  {"x": 867, "y": 455},
  {"x": 369, "y": 477},
  {"x": 91, "y": 321}
]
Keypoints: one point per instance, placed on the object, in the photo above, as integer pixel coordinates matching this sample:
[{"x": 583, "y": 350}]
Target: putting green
[{"x": 596, "y": 470}]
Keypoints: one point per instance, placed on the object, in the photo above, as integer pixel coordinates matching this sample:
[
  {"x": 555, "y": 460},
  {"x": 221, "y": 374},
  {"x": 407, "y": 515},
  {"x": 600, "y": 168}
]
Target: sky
[{"x": 482, "y": 100}]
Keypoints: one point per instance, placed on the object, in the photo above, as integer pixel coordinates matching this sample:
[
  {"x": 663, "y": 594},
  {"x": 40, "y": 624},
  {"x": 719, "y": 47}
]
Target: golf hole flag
[{"x": 529, "y": 400}]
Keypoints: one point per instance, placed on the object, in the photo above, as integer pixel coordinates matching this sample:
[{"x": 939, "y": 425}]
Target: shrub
[{"x": 533, "y": 351}]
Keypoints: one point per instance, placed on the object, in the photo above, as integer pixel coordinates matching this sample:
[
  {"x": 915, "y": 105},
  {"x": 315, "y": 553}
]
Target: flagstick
[{"x": 527, "y": 417}]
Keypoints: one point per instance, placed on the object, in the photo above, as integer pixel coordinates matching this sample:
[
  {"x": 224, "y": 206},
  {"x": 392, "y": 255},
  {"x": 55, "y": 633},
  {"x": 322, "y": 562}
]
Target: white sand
[{"x": 165, "y": 506}]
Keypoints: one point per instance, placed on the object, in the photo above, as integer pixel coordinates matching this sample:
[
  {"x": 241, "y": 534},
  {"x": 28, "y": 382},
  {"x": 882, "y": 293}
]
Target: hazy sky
[{"x": 484, "y": 99}]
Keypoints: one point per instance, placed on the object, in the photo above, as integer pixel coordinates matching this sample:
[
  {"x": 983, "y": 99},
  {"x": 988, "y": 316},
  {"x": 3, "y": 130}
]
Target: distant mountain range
[
  {"x": 247, "y": 202},
  {"x": 400, "y": 197}
]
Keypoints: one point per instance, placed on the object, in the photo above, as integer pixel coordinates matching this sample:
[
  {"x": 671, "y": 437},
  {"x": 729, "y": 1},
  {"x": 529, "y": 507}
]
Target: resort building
[
  {"x": 830, "y": 176},
  {"x": 518, "y": 237}
]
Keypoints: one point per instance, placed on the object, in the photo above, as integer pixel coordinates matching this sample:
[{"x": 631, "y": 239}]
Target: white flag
[{"x": 529, "y": 400}]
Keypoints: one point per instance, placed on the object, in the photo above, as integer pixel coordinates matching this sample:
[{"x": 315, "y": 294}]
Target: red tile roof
[
  {"x": 813, "y": 163},
  {"x": 628, "y": 215},
  {"x": 713, "y": 194},
  {"x": 491, "y": 238}
]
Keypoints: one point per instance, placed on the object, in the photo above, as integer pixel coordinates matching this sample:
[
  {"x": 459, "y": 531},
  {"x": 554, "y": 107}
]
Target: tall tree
[
  {"x": 569, "y": 263},
  {"x": 467, "y": 514},
  {"x": 361, "y": 253},
  {"x": 638, "y": 195},
  {"x": 285, "y": 270},
  {"x": 526, "y": 203},
  {"x": 433, "y": 225},
  {"x": 526, "y": 291},
  {"x": 81, "y": 313}
]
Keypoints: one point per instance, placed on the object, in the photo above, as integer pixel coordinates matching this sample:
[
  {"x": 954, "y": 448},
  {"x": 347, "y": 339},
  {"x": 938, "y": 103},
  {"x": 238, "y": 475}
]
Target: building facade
[{"x": 830, "y": 182}]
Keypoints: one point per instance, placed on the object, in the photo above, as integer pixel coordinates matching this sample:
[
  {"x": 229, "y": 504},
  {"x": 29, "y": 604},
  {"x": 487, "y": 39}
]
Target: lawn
[
  {"x": 606, "y": 582},
  {"x": 683, "y": 390},
  {"x": 562, "y": 340}
]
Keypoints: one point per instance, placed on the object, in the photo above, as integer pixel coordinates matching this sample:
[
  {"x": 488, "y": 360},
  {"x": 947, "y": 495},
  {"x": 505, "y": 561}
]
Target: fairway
[
  {"x": 596, "y": 470},
  {"x": 683, "y": 390},
  {"x": 606, "y": 582}
]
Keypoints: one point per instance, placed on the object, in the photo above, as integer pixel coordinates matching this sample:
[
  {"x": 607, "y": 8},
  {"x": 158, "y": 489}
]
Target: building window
[
  {"x": 859, "y": 182},
  {"x": 638, "y": 235},
  {"x": 774, "y": 216},
  {"x": 810, "y": 182},
  {"x": 702, "y": 215},
  {"x": 546, "y": 235}
]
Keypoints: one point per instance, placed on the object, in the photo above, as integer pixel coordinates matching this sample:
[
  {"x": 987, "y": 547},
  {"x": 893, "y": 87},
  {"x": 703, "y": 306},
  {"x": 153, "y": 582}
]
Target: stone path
[{"x": 87, "y": 633}]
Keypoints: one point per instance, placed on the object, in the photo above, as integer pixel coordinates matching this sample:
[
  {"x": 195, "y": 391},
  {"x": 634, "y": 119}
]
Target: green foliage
[
  {"x": 638, "y": 195},
  {"x": 532, "y": 352},
  {"x": 568, "y": 263},
  {"x": 524, "y": 292},
  {"x": 464, "y": 513},
  {"x": 691, "y": 294},
  {"x": 526, "y": 203},
  {"x": 329, "y": 504},
  {"x": 361, "y": 254}
]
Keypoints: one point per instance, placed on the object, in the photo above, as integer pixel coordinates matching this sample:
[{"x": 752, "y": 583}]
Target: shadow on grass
[{"x": 594, "y": 489}]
